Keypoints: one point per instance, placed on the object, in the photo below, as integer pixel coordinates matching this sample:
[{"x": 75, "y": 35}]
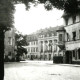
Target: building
[
  {"x": 32, "y": 48},
  {"x": 42, "y": 45},
  {"x": 9, "y": 45},
  {"x": 69, "y": 38}
]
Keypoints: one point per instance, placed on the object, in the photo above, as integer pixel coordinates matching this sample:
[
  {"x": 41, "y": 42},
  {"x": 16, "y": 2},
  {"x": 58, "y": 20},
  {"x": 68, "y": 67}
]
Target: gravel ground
[{"x": 41, "y": 70}]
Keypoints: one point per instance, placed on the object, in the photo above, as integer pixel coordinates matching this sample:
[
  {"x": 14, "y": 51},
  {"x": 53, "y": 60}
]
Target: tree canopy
[
  {"x": 6, "y": 14},
  {"x": 7, "y": 8},
  {"x": 20, "y": 42},
  {"x": 69, "y": 6}
]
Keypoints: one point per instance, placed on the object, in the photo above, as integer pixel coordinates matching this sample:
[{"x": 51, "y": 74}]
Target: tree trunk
[{"x": 1, "y": 55}]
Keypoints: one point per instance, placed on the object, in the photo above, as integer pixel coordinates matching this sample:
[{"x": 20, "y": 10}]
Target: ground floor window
[
  {"x": 73, "y": 53},
  {"x": 49, "y": 56},
  {"x": 76, "y": 54},
  {"x": 41, "y": 56},
  {"x": 36, "y": 56},
  {"x": 28, "y": 56},
  {"x": 79, "y": 53},
  {"x": 45, "y": 56}
]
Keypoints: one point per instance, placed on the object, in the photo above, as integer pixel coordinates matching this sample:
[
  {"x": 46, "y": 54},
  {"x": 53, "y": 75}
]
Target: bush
[{"x": 58, "y": 59}]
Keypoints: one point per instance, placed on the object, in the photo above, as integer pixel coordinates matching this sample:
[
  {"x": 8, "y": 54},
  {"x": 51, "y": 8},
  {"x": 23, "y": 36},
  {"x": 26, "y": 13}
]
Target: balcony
[{"x": 71, "y": 45}]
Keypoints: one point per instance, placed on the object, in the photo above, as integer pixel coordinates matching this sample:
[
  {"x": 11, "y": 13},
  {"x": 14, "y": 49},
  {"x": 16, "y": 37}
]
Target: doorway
[{"x": 68, "y": 57}]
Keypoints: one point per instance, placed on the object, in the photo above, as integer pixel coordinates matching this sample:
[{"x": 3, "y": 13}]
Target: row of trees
[{"x": 6, "y": 17}]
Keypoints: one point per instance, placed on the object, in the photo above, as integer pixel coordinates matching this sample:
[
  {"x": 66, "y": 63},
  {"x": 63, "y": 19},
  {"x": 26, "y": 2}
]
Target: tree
[
  {"x": 6, "y": 21},
  {"x": 69, "y": 6},
  {"x": 20, "y": 42},
  {"x": 6, "y": 17}
]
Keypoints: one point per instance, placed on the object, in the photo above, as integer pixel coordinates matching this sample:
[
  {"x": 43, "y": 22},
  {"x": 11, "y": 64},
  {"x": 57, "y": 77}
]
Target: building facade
[
  {"x": 47, "y": 47},
  {"x": 70, "y": 38},
  {"x": 43, "y": 45},
  {"x": 9, "y": 44},
  {"x": 32, "y": 48}
]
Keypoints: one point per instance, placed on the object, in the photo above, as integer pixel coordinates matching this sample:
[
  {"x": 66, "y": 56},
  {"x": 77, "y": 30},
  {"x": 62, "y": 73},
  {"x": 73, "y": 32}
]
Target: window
[
  {"x": 28, "y": 56},
  {"x": 9, "y": 40},
  {"x": 66, "y": 21},
  {"x": 79, "y": 53},
  {"x": 34, "y": 42},
  {"x": 55, "y": 48},
  {"x": 74, "y": 19},
  {"x": 33, "y": 49},
  {"x": 37, "y": 49},
  {"x": 45, "y": 56},
  {"x": 41, "y": 56},
  {"x": 73, "y": 53},
  {"x": 41, "y": 46},
  {"x": 55, "y": 41},
  {"x": 74, "y": 35},
  {"x": 67, "y": 37},
  {"x": 60, "y": 37}
]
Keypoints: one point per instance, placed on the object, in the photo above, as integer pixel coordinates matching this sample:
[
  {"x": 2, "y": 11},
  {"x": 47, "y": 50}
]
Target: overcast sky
[{"x": 36, "y": 18}]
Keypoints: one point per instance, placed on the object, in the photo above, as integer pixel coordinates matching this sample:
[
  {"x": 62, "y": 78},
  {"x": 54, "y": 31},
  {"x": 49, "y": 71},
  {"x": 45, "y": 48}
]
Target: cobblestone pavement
[{"x": 41, "y": 70}]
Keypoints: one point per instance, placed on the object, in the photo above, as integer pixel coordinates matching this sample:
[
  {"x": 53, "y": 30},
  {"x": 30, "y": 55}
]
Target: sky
[{"x": 36, "y": 18}]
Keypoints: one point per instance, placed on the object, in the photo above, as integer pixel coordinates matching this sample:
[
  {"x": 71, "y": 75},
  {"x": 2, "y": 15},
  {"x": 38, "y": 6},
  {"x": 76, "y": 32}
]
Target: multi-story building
[
  {"x": 69, "y": 38},
  {"x": 47, "y": 47},
  {"x": 32, "y": 48},
  {"x": 42, "y": 45},
  {"x": 9, "y": 44}
]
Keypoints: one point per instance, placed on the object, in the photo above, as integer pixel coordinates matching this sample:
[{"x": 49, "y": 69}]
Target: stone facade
[
  {"x": 9, "y": 44},
  {"x": 71, "y": 36}
]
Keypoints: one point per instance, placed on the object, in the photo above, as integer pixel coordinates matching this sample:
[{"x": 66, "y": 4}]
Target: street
[{"x": 41, "y": 70}]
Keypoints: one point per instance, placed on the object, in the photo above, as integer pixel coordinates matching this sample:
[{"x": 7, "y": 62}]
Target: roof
[
  {"x": 32, "y": 37},
  {"x": 60, "y": 28},
  {"x": 47, "y": 31}
]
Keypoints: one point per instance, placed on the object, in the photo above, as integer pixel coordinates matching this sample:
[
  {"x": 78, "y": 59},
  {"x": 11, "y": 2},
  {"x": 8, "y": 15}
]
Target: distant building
[
  {"x": 42, "y": 45},
  {"x": 32, "y": 48},
  {"x": 9, "y": 44}
]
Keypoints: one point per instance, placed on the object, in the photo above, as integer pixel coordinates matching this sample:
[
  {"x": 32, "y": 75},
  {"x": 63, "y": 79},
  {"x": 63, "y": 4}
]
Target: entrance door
[
  {"x": 31, "y": 57},
  {"x": 68, "y": 57}
]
